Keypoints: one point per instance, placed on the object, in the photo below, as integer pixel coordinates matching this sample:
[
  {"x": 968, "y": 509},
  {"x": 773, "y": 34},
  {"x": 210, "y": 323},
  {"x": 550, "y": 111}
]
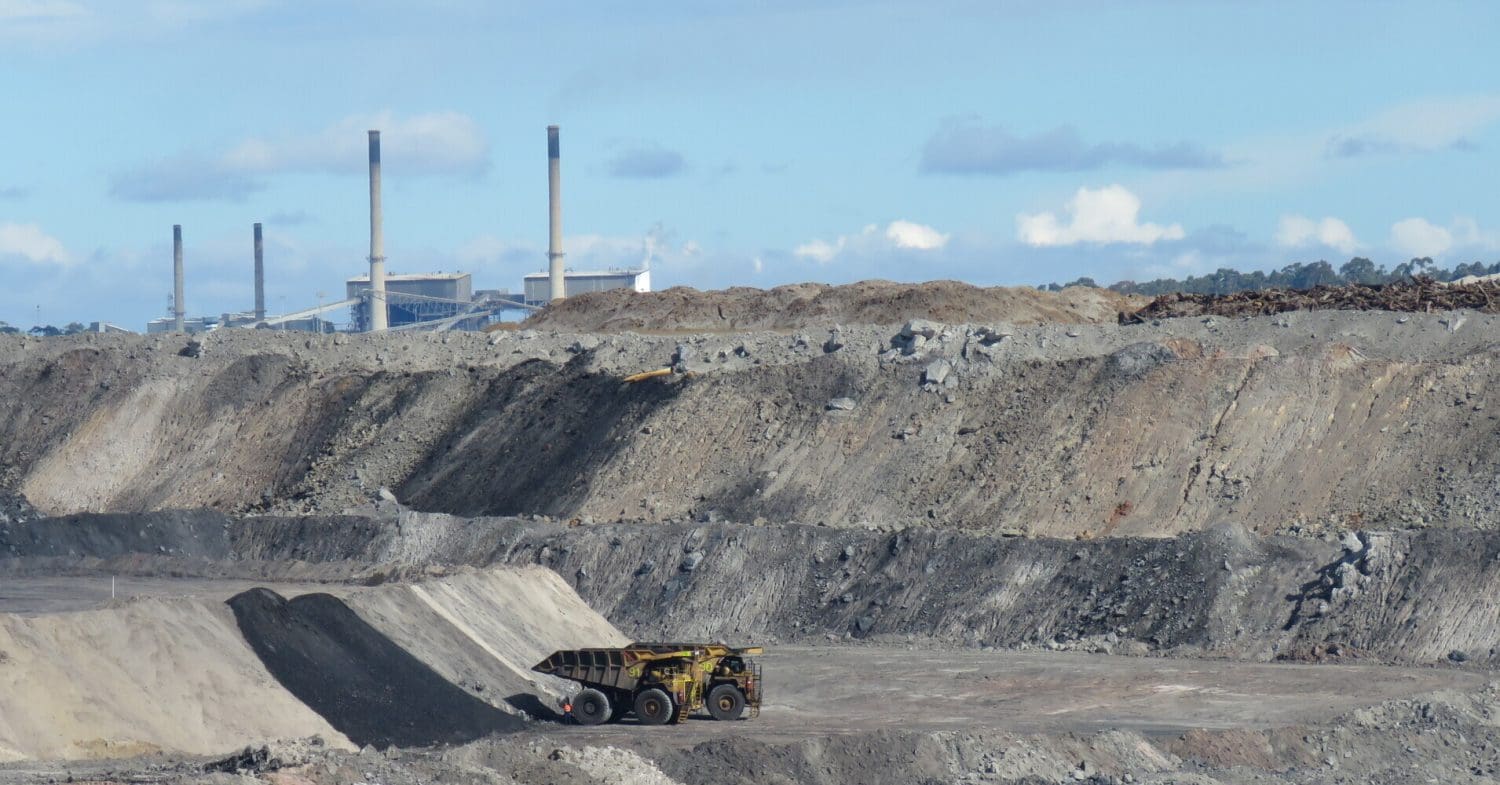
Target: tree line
[
  {"x": 1293, "y": 276},
  {"x": 44, "y": 330}
]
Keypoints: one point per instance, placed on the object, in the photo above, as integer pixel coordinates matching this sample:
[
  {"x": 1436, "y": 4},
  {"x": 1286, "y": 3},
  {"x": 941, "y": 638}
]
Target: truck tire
[
  {"x": 654, "y": 707},
  {"x": 591, "y": 707},
  {"x": 726, "y": 702}
]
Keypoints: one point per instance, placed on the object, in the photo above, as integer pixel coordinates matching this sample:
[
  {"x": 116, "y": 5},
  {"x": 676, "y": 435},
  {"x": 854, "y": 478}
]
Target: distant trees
[
  {"x": 45, "y": 330},
  {"x": 1293, "y": 276}
]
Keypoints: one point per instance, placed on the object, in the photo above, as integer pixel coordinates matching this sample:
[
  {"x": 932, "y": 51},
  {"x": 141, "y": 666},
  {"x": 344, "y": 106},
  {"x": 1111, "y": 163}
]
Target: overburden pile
[
  {"x": 1419, "y": 295},
  {"x": 365, "y": 685}
]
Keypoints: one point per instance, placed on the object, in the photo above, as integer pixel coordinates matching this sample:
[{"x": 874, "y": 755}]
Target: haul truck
[{"x": 659, "y": 682}]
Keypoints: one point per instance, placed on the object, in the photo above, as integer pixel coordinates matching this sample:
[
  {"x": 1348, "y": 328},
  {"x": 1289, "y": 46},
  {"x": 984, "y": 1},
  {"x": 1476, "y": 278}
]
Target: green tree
[
  {"x": 73, "y": 328},
  {"x": 1361, "y": 270}
]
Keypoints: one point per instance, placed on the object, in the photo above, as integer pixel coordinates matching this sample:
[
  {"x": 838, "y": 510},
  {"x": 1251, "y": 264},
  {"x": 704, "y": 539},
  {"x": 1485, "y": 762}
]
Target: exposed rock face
[{"x": 1326, "y": 421}]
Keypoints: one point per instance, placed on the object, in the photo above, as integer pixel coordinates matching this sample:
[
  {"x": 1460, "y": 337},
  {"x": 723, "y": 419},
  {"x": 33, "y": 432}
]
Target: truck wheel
[
  {"x": 726, "y": 702},
  {"x": 653, "y": 707},
  {"x": 590, "y": 707}
]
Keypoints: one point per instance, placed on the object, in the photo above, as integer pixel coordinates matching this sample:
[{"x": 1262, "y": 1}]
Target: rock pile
[
  {"x": 15, "y": 509},
  {"x": 1417, "y": 295}
]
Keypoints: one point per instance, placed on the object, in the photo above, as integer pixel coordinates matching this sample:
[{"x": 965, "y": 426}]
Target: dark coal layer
[
  {"x": 185, "y": 533},
  {"x": 359, "y": 680},
  {"x": 1415, "y": 596}
]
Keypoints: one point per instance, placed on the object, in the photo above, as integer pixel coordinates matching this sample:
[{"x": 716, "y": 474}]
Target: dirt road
[
  {"x": 856, "y": 689},
  {"x": 859, "y": 688}
]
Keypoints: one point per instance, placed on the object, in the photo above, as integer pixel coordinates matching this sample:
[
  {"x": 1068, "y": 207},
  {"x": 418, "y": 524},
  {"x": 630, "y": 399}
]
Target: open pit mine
[{"x": 980, "y": 535}]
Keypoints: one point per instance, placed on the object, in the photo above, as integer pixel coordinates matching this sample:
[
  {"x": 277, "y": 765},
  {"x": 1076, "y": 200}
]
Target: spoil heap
[
  {"x": 1420, "y": 294},
  {"x": 152, "y": 676},
  {"x": 809, "y": 305},
  {"x": 372, "y": 690}
]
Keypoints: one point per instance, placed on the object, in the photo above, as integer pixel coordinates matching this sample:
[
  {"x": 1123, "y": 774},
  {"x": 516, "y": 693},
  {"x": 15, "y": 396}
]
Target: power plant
[
  {"x": 260, "y": 276},
  {"x": 381, "y": 301},
  {"x": 376, "y": 302},
  {"x": 558, "y": 287},
  {"x": 178, "y": 310}
]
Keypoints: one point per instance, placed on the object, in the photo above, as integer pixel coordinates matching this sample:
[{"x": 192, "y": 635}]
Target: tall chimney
[
  {"x": 260, "y": 277},
  {"x": 378, "y": 316},
  {"x": 554, "y": 203},
  {"x": 178, "y": 312}
]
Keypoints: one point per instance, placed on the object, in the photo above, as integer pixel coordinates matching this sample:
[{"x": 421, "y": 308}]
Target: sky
[{"x": 731, "y": 143}]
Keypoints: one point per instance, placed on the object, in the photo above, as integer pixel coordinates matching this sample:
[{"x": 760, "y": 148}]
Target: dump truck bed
[{"x": 685, "y": 671}]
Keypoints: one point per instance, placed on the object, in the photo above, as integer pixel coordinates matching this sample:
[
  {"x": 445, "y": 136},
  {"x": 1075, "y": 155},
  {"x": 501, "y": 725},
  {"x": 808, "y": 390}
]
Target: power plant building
[
  {"x": 416, "y": 297},
  {"x": 538, "y": 286}
]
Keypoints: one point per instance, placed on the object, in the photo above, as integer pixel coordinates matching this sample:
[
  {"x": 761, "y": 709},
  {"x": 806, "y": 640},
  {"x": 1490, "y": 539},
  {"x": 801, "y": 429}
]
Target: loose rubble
[{"x": 1420, "y": 294}]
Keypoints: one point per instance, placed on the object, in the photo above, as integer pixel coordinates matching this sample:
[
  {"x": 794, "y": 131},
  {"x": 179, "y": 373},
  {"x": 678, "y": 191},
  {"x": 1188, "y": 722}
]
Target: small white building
[
  {"x": 538, "y": 286},
  {"x": 190, "y": 324}
]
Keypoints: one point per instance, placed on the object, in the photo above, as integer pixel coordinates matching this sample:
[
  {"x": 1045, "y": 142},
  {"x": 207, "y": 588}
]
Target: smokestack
[
  {"x": 554, "y": 203},
  {"x": 178, "y": 312},
  {"x": 378, "y": 317},
  {"x": 260, "y": 277}
]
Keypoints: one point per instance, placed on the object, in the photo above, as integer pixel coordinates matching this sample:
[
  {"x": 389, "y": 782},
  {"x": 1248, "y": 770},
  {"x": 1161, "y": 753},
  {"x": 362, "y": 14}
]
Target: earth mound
[
  {"x": 809, "y": 305},
  {"x": 1417, "y": 295},
  {"x": 358, "y": 679}
]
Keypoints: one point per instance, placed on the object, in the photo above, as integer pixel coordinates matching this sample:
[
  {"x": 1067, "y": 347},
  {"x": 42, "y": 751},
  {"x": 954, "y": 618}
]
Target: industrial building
[
  {"x": 189, "y": 325},
  {"x": 423, "y": 301},
  {"x": 412, "y": 298},
  {"x": 538, "y": 286}
]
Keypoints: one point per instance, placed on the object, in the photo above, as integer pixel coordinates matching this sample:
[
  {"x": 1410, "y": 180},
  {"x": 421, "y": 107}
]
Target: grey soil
[
  {"x": 1289, "y": 524},
  {"x": 367, "y": 687}
]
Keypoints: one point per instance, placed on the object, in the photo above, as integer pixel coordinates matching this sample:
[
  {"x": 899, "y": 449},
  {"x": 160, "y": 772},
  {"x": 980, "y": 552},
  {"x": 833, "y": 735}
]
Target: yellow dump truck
[{"x": 659, "y": 682}]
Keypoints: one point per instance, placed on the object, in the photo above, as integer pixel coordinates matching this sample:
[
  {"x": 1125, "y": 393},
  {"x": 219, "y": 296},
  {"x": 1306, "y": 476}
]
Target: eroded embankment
[
  {"x": 351, "y": 674},
  {"x": 1403, "y": 596},
  {"x": 412, "y": 664},
  {"x": 151, "y": 676},
  {"x": 1309, "y": 420}
]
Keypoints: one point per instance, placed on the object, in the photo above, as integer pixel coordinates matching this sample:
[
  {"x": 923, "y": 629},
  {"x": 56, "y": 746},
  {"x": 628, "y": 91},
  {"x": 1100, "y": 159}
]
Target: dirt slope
[
  {"x": 439, "y": 660},
  {"x": 810, "y": 306},
  {"x": 484, "y": 629},
  {"x": 152, "y": 676},
  {"x": 1302, "y": 420},
  {"x": 1393, "y": 596},
  {"x": 372, "y": 690}
]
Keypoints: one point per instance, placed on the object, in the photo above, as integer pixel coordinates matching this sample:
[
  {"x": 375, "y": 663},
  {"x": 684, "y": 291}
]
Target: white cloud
[
  {"x": 1419, "y": 237},
  {"x": 820, "y": 251},
  {"x": 1467, "y": 234},
  {"x": 39, "y": 10},
  {"x": 905, "y": 234},
  {"x": 1296, "y": 231},
  {"x": 71, "y": 23},
  {"x": 1100, "y": 216},
  {"x": 653, "y": 248},
  {"x": 438, "y": 143},
  {"x": 1420, "y": 126},
  {"x": 442, "y": 143},
  {"x": 44, "y": 23},
  {"x": 897, "y": 235},
  {"x": 29, "y": 242}
]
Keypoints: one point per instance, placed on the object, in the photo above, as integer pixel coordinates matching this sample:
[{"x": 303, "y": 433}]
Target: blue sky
[{"x": 732, "y": 143}]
